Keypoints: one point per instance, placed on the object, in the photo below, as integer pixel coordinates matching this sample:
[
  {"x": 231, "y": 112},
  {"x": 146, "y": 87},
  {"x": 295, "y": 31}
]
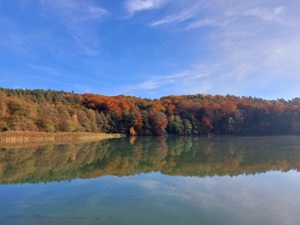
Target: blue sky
[{"x": 152, "y": 48}]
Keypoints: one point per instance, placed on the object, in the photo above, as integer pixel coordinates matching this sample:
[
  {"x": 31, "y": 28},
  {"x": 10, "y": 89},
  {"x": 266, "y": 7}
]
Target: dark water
[{"x": 191, "y": 180}]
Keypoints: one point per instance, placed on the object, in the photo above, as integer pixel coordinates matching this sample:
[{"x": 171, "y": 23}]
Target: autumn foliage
[{"x": 59, "y": 111}]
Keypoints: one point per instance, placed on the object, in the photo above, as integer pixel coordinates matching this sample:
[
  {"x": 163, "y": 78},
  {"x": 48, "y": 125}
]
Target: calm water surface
[{"x": 153, "y": 181}]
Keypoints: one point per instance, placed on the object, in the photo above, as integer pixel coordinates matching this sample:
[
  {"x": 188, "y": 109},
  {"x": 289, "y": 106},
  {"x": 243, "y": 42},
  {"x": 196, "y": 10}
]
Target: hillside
[{"x": 59, "y": 111}]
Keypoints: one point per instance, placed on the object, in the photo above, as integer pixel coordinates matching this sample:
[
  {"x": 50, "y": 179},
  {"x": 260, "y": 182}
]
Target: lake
[{"x": 153, "y": 181}]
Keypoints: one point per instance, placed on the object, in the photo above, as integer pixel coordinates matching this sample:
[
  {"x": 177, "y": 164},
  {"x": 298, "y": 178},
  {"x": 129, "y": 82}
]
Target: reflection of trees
[{"x": 186, "y": 156}]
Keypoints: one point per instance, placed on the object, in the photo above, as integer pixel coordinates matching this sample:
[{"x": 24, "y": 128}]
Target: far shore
[{"x": 28, "y": 138}]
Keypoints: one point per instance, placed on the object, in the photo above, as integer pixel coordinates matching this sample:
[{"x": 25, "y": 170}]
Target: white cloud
[
  {"x": 139, "y": 5},
  {"x": 149, "y": 185},
  {"x": 97, "y": 11},
  {"x": 251, "y": 48},
  {"x": 233, "y": 47},
  {"x": 189, "y": 81},
  {"x": 188, "y": 11},
  {"x": 47, "y": 70},
  {"x": 81, "y": 20},
  {"x": 201, "y": 23},
  {"x": 159, "y": 81},
  {"x": 79, "y": 10},
  {"x": 78, "y": 18},
  {"x": 268, "y": 68},
  {"x": 172, "y": 18},
  {"x": 218, "y": 13}
]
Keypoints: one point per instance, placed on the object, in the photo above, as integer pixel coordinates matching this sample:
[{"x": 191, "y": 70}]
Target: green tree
[{"x": 175, "y": 125}]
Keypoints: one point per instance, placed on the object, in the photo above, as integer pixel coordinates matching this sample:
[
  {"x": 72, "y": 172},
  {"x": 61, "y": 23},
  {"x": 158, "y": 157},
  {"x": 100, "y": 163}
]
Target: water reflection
[
  {"x": 153, "y": 181},
  {"x": 181, "y": 156}
]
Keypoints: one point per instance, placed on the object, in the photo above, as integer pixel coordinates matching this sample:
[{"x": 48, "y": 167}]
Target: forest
[{"x": 60, "y": 111}]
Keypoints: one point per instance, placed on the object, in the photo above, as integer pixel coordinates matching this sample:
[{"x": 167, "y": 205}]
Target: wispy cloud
[
  {"x": 254, "y": 35},
  {"x": 201, "y": 22},
  {"x": 78, "y": 18},
  {"x": 83, "y": 20},
  {"x": 81, "y": 10},
  {"x": 236, "y": 47},
  {"x": 172, "y": 18},
  {"x": 183, "y": 13},
  {"x": 46, "y": 70},
  {"x": 97, "y": 12},
  {"x": 217, "y": 13},
  {"x": 139, "y": 5},
  {"x": 189, "y": 81},
  {"x": 158, "y": 81}
]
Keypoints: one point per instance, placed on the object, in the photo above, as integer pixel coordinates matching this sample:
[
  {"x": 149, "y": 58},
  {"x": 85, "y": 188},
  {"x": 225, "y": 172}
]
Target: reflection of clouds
[
  {"x": 267, "y": 200},
  {"x": 149, "y": 184},
  {"x": 160, "y": 199},
  {"x": 186, "y": 190},
  {"x": 260, "y": 199}
]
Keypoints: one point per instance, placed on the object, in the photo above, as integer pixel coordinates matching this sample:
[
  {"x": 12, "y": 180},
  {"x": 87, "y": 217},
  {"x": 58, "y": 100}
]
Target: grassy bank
[{"x": 26, "y": 138}]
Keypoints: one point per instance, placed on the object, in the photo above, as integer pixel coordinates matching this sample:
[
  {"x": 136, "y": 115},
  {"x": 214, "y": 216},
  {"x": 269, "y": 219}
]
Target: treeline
[{"x": 59, "y": 111}]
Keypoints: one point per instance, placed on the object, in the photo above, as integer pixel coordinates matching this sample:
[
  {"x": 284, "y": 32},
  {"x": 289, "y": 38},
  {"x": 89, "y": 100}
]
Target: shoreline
[{"x": 28, "y": 138}]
